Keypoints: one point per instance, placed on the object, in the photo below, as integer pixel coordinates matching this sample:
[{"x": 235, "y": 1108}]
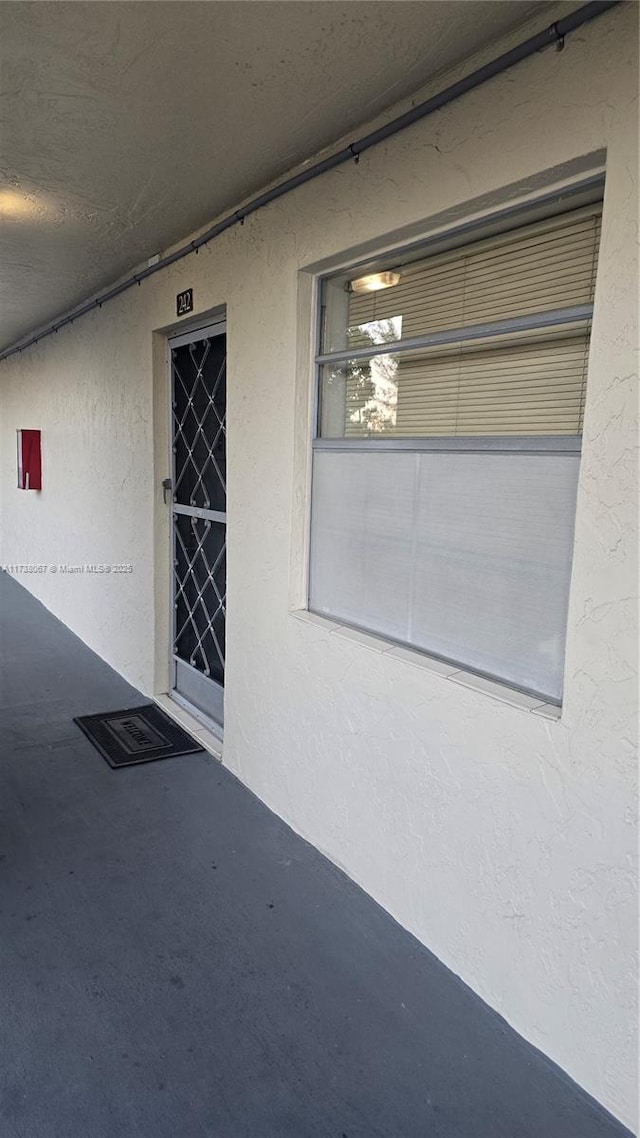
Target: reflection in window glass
[
  {"x": 359, "y": 397},
  {"x": 375, "y": 332}
]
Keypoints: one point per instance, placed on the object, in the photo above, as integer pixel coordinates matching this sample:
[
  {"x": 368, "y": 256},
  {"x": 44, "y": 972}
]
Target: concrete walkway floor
[{"x": 176, "y": 963}]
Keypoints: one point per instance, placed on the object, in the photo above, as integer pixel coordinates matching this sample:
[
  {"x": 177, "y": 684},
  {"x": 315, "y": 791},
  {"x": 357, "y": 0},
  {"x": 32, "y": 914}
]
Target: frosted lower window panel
[{"x": 467, "y": 556}]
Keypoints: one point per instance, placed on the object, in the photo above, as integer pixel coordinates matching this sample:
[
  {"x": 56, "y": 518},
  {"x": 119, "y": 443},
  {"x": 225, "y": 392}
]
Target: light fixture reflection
[{"x": 375, "y": 281}]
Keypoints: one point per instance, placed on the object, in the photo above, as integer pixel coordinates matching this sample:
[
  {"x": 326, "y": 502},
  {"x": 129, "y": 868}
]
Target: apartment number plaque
[{"x": 184, "y": 302}]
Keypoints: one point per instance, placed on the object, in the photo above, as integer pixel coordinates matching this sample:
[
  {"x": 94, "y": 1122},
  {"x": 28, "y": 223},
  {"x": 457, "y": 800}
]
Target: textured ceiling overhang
[{"x": 126, "y": 126}]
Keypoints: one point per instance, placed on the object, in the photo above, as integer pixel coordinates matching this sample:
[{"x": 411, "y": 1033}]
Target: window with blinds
[
  {"x": 502, "y": 331},
  {"x": 451, "y": 399}
]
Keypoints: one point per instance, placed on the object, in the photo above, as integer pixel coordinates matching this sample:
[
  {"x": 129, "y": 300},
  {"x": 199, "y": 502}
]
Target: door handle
[{"x": 167, "y": 485}]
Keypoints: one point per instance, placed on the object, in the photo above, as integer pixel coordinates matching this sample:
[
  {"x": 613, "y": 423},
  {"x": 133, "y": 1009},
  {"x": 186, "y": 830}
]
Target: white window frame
[{"x": 585, "y": 191}]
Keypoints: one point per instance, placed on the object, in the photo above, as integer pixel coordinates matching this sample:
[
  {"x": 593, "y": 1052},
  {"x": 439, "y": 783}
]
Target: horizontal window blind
[
  {"x": 503, "y": 382},
  {"x": 466, "y": 556},
  {"x": 531, "y": 388},
  {"x": 523, "y": 390},
  {"x": 533, "y": 269}
]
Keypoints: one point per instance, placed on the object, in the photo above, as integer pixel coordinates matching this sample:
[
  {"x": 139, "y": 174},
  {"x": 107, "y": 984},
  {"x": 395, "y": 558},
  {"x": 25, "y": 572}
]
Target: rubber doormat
[{"x": 136, "y": 735}]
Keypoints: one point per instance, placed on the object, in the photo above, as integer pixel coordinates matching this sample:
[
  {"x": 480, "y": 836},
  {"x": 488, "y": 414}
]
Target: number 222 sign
[{"x": 184, "y": 302}]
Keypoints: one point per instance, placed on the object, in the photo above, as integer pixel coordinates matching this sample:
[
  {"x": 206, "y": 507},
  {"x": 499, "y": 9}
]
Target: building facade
[{"x": 493, "y": 814}]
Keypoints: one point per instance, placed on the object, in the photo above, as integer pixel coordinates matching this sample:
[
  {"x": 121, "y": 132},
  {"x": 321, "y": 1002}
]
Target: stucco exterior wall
[{"x": 504, "y": 841}]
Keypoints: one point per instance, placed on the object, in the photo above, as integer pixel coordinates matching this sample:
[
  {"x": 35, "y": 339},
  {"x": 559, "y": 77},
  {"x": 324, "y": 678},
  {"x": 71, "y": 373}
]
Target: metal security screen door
[{"x": 198, "y": 394}]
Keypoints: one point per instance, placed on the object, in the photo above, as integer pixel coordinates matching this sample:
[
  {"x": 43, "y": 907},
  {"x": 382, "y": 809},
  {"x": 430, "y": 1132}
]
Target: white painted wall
[{"x": 505, "y": 842}]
